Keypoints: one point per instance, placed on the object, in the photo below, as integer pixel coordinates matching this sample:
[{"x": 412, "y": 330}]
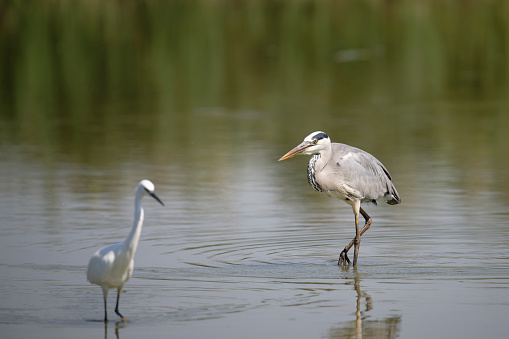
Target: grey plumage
[{"x": 348, "y": 173}]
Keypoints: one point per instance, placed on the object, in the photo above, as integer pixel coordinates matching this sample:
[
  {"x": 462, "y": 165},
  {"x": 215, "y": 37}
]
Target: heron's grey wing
[{"x": 363, "y": 174}]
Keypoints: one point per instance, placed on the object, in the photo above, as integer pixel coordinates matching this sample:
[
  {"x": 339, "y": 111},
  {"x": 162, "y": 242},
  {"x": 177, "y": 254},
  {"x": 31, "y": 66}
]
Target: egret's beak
[
  {"x": 296, "y": 151},
  {"x": 153, "y": 195}
]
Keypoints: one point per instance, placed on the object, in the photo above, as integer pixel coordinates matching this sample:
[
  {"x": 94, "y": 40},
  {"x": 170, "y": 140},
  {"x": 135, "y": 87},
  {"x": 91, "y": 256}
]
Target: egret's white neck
[{"x": 133, "y": 238}]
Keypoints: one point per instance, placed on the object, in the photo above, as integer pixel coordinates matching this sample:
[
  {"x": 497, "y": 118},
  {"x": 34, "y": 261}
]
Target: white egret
[{"x": 112, "y": 266}]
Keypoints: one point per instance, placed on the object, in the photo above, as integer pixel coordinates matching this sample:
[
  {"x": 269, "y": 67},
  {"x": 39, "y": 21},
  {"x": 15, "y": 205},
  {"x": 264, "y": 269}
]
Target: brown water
[{"x": 244, "y": 247}]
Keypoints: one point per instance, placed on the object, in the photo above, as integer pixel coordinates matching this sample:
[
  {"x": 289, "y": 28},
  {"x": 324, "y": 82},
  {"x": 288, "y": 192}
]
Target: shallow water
[
  {"x": 202, "y": 98},
  {"x": 249, "y": 258}
]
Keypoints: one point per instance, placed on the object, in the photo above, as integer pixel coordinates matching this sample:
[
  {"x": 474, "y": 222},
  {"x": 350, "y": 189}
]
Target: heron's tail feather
[{"x": 393, "y": 197}]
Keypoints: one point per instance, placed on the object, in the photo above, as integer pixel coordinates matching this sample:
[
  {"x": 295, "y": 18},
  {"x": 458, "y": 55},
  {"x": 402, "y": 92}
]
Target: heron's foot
[{"x": 343, "y": 258}]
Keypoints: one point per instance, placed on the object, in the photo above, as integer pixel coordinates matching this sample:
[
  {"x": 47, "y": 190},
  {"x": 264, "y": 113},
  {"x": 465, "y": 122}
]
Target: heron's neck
[
  {"x": 133, "y": 238},
  {"x": 325, "y": 157},
  {"x": 316, "y": 164},
  {"x": 312, "y": 172}
]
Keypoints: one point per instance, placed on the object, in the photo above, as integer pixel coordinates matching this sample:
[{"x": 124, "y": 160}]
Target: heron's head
[
  {"x": 312, "y": 144},
  {"x": 147, "y": 187}
]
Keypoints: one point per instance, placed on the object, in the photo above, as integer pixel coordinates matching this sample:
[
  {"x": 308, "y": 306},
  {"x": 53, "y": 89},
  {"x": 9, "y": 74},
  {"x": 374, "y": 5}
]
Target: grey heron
[
  {"x": 112, "y": 266},
  {"x": 347, "y": 173}
]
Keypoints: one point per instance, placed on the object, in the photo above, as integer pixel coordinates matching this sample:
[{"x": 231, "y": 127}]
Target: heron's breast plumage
[{"x": 312, "y": 173}]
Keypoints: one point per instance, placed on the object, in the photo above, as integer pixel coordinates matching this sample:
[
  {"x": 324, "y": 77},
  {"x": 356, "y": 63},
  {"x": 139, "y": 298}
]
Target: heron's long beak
[
  {"x": 153, "y": 195},
  {"x": 296, "y": 151}
]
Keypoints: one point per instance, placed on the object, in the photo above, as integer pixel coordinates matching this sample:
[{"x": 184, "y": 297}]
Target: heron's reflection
[
  {"x": 118, "y": 324},
  {"x": 388, "y": 327},
  {"x": 360, "y": 296}
]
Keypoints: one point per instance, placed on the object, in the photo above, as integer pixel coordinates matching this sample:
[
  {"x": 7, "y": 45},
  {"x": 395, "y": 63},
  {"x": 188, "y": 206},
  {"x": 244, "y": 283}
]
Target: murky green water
[{"x": 202, "y": 98}]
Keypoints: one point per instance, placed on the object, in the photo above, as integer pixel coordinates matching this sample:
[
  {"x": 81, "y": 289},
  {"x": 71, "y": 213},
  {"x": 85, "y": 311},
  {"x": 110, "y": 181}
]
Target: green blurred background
[{"x": 84, "y": 81}]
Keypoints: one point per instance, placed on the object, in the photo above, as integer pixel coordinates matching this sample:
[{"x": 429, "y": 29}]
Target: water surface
[{"x": 202, "y": 98}]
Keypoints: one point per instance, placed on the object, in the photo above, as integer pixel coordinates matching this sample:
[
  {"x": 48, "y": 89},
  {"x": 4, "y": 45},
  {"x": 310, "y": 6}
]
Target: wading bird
[
  {"x": 347, "y": 173},
  {"x": 112, "y": 266}
]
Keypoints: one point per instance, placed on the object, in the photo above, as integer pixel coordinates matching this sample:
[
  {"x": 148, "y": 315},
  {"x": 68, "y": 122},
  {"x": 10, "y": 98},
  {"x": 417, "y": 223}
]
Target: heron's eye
[{"x": 315, "y": 141}]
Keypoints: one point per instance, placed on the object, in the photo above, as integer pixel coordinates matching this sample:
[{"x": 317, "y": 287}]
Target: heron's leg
[
  {"x": 105, "y": 297},
  {"x": 343, "y": 257},
  {"x": 367, "y": 225},
  {"x": 367, "y": 219},
  {"x": 116, "y": 308},
  {"x": 357, "y": 239}
]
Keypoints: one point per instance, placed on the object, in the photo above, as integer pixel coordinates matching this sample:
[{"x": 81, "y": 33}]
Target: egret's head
[
  {"x": 148, "y": 187},
  {"x": 312, "y": 144}
]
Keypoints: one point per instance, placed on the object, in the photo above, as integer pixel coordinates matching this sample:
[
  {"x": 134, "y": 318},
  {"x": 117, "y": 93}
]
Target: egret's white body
[{"x": 112, "y": 266}]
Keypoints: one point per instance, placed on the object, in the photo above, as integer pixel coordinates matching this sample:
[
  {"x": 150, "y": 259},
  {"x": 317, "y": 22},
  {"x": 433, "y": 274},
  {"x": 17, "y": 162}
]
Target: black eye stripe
[{"x": 320, "y": 136}]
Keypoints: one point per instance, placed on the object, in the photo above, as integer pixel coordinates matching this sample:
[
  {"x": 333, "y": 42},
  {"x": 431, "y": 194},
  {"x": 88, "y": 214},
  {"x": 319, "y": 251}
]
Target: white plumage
[{"x": 112, "y": 266}]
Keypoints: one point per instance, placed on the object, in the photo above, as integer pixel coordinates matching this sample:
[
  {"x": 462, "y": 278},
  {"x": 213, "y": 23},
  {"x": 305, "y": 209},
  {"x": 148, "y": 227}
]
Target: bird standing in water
[
  {"x": 112, "y": 266},
  {"x": 347, "y": 173}
]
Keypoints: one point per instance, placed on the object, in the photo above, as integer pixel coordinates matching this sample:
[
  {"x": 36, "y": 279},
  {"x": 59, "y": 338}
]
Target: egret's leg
[
  {"x": 116, "y": 308},
  {"x": 105, "y": 312},
  {"x": 105, "y": 297},
  {"x": 343, "y": 257}
]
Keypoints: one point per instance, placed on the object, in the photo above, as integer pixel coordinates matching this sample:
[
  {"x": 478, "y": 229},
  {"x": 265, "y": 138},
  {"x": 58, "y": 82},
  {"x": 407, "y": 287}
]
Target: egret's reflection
[
  {"x": 388, "y": 327},
  {"x": 118, "y": 324}
]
